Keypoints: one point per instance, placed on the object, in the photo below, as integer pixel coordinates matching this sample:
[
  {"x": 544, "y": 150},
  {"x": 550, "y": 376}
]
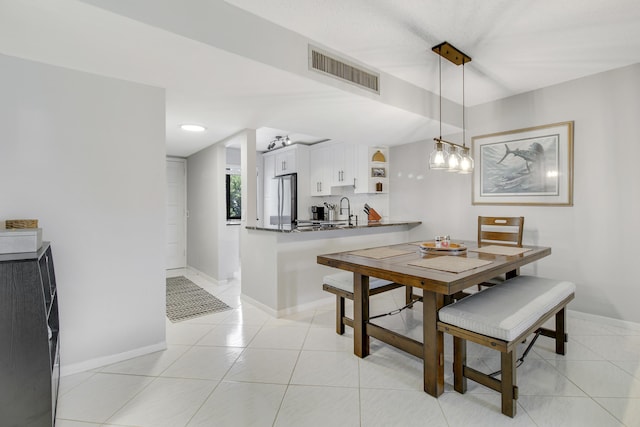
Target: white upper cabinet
[
  {"x": 320, "y": 170},
  {"x": 338, "y": 164},
  {"x": 284, "y": 160},
  {"x": 362, "y": 169},
  {"x": 344, "y": 165}
]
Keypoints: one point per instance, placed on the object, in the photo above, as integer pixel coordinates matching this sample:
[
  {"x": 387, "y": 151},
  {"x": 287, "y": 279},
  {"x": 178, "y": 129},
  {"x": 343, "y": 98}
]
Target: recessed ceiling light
[{"x": 193, "y": 128}]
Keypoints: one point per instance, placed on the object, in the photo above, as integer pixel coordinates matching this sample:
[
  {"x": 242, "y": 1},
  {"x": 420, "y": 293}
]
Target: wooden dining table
[{"x": 438, "y": 275}]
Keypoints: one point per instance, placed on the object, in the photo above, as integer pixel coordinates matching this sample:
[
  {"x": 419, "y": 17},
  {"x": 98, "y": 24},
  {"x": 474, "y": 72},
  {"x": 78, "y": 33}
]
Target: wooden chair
[{"x": 499, "y": 230}]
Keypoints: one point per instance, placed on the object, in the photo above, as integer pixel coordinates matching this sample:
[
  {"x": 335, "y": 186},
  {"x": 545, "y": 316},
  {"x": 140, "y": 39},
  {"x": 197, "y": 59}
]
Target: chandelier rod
[
  {"x": 440, "y": 89},
  {"x": 464, "y": 139}
]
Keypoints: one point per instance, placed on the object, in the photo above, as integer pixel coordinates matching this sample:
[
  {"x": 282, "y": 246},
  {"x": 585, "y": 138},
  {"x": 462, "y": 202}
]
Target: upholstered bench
[
  {"x": 341, "y": 284},
  {"x": 501, "y": 317}
]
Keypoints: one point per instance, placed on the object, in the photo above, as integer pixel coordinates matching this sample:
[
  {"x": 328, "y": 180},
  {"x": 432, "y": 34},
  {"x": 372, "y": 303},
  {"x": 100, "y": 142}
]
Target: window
[{"x": 234, "y": 196}]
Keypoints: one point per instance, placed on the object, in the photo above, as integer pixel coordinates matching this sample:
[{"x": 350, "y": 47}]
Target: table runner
[
  {"x": 501, "y": 250},
  {"x": 380, "y": 253},
  {"x": 452, "y": 264}
]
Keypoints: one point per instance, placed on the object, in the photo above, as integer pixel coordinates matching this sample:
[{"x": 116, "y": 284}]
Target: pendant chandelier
[{"x": 456, "y": 157}]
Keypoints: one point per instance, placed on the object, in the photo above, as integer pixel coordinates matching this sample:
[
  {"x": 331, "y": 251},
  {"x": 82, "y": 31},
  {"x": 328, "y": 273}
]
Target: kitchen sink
[{"x": 314, "y": 225}]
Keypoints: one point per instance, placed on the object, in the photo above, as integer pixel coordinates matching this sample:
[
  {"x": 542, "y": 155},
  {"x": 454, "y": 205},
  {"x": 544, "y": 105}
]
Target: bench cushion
[
  {"x": 344, "y": 281},
  {"x": 507, "y": 310}
]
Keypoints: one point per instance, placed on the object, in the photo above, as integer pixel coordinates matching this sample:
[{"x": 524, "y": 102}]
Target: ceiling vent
[{"x": 322, "y": 62}]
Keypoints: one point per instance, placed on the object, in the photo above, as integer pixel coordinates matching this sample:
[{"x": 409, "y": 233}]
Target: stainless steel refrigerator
[{"x": 282, "y": 212}]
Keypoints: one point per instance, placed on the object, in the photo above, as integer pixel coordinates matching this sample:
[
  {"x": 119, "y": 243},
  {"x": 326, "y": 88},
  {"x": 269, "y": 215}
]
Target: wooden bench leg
[
  {"x": 508, "y": 383},
  {"x": 459, "y": 362},
  {"x": 561, "y": 319},
  {"x": 339, "y": 315}
]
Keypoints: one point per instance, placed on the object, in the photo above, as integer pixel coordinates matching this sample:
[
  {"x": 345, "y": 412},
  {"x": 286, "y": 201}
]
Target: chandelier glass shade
[
  {"x": 438, "y": 157},
  {"x": 454, "y": 159},
  {"x": 466, "y": 162}
]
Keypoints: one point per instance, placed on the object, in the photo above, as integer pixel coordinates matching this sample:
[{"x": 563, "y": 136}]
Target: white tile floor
[{"x": 246, "y": 368}]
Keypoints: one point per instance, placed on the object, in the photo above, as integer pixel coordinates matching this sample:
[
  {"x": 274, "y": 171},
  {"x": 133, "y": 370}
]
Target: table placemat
[
  {"x": 452, "y": 264},
  {"x": 380, "y": 253},
  {"x": 501, "y": 250}
]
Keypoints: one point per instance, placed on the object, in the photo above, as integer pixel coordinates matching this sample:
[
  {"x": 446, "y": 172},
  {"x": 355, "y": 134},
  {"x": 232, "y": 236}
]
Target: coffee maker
[{"x": 317, "y": 213}]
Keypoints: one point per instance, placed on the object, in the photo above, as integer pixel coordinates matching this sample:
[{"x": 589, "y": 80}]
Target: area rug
[{"x": 186, "y": 300}]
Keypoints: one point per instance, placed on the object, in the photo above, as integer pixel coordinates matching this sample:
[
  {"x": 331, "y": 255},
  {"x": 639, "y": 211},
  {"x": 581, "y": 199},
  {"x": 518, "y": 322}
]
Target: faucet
[{"x": 348, "y": 209}]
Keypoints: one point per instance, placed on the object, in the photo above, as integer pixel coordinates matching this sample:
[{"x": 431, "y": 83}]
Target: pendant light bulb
[
  {"x": 466, "y": 162},
  {"x": 438, "y": 157},
  {"x": 454, "y": 159}
]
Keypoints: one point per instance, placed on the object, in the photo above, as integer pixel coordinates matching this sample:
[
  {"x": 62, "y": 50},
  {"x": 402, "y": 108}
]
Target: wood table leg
[
  {"x": 508, "y": 383},
  {"x": 360, "y": 314},
  {"x": 340, "y": 315},
  {"x": 433, "y": 356}
]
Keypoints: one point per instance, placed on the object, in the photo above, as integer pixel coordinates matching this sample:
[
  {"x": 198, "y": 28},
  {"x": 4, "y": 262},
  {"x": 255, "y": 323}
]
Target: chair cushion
[
  {"x": 507, "y": 310},
  {"x": 344, "y": 281}
]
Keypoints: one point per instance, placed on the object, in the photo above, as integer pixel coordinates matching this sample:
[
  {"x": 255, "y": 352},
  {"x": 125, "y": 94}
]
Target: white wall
[
  {"x": 593, "y": 242},
  {"x": 299, "y": 276},
  {"x": 213, "y": 247},
  {"x": 233, "y": 157},
  {"x": 282, "y": 274},
  {"x": 205, "y": 183},
  {"x": 86, "y": 156}
]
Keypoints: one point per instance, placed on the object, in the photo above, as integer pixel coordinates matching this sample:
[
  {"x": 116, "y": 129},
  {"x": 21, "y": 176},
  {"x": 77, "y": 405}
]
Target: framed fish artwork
[{"x": 532, "y": 166}]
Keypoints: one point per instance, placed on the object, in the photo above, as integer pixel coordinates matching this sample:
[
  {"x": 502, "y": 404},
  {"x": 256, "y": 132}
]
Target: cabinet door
[
  {"x": 343, "y": 164},
  {"x": 361, "y": 162},
  {"x": 286, "y": 161},
  {"x": 320, "y": 171}
]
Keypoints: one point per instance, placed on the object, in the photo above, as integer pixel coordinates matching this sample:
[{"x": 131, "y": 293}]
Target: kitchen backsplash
[{"x": 380, "y": 202}]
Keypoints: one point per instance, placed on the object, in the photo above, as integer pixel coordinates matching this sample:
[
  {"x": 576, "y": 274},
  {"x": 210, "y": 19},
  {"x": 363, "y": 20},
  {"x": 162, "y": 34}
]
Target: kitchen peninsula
[
  {"x": 306, "y": 226},
  {"x": 279, "y": 269}
]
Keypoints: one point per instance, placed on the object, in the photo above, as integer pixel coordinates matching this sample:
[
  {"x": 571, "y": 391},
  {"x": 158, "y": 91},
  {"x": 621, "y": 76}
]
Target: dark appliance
[{"x": 317, "y": 213}]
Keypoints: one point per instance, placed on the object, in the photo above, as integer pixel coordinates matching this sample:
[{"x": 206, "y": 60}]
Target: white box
[{"x": 20, "y": 240}]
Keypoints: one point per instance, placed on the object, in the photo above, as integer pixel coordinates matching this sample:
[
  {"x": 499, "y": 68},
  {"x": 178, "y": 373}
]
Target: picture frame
[
  {"x": 378, "y": 172},
  {"x": 530, "y": 166}
]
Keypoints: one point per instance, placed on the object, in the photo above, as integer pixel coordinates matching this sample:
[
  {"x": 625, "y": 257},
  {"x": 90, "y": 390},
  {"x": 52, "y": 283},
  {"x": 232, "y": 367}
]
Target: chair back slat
[{"x": 500, "y": 230}]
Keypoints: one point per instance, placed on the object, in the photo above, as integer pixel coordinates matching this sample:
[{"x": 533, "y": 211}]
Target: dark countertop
[{"x": 334, "y": 225}]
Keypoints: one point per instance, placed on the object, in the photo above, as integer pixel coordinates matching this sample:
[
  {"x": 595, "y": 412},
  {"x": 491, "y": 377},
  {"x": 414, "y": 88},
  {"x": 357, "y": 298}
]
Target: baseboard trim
[
  {"x": 605, "y": 320},
  {"x": 259, "y": 305},
  {"x": 308, "y": 306},
  {"x": 99, "y": 362},
  {"x": 290, "y": 310},
  {"x": 87, "y": 365},
  {"x": 206, "y": 276}
]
